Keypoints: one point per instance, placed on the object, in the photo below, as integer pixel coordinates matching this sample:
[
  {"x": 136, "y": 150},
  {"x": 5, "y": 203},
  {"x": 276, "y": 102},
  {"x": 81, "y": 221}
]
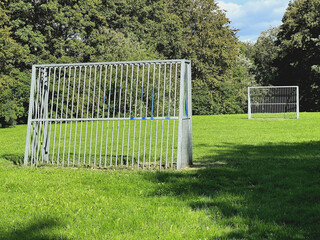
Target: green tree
[
  {"x": 13, "y": 59},
  {"x": 212, "y": 47},
  {"x": 58, "y": 31},
  {"x": 299, "y": 51},
  {"x": 264, "y": 55}
]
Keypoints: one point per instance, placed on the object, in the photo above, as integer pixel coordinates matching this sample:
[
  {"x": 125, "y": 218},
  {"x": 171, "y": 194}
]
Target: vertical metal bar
[
  {"x": 97, "y": 122},
  {"x": 82, "y": 109},
  {"x": 61, "y": 115},
  {"x": 174, "y": 113},
  {"x": 92, "y": 114},
  {"x": 77, "y": 111},
  {"x": 66, "y": 124},
  {"x": 114, "y": 112},
  {"x": 31, "y": 102},
  {"x": 33, "y": 149},
  {"x": 51, "y": 111},
  {"x": 152, "y": 103},
  {"x": 124, "y": 113},
  {"x": 249, "y": 104},
  {"x": 88, "y": 104},
  {"x": 130, "y": 114},
  {"x": 41, "y": 109},
  {"x": 168, "y": 121},
  {"x": 141, "y": 107},
  {"x": 189, "y": 82},
  {"x": 297, "y": 101},
  {"x": 158, "y": 99},
  {"x": 145, "y": 126},
  {"x": 181, "y": 112},
  {"x": 107, "y": 138},
  {"x": 135, "y": 115},
  {"x": 55, "y": 122},
  {"x": 46, "y": 116},
  {"x": 162, "y": 121},
  {"x": 72, "y": 103},
  {"x": 119, "y": 111},
  {"x": 104, "y": 98},
  {"x": 38, "y": 116}
]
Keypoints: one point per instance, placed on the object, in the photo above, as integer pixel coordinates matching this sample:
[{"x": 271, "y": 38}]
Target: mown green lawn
[{"x": 251, "y": 179}]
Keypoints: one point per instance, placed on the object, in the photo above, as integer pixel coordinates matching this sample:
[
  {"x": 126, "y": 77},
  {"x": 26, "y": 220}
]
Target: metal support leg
[{"x": 46, "y": 116}]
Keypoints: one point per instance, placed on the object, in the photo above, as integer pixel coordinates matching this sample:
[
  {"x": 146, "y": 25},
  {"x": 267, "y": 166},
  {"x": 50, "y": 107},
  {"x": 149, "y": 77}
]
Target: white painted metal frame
[
  {"x": 273, "y": 101},
  {"x": 113, "y": 114}
]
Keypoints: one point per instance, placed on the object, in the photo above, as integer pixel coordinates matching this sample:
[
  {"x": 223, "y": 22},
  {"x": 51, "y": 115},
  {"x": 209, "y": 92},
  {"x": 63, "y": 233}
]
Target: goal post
[
  {"x": 135, "y": 114},
  {"x": 273, "y": 102}
]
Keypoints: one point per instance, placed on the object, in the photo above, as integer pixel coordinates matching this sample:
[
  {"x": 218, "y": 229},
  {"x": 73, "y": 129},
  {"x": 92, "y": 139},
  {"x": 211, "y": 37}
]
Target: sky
[{"x": 252, "y": 17}]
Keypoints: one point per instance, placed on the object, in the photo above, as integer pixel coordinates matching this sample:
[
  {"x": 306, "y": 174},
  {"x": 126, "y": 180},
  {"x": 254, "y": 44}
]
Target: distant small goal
[{"x": 273, "y": 102}]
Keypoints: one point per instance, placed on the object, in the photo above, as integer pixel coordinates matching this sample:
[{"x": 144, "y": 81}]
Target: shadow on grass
[
  {"x": 35, "y": 230},
  {"x": 261, "y": 191},
  {"x": 16, "y": 159}
]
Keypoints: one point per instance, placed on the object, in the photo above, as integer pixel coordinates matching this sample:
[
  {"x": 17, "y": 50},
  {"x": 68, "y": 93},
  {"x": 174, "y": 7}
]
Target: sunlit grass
[
  {"x": 251, "y": 179},
  {"x": 106, "y": 143}
]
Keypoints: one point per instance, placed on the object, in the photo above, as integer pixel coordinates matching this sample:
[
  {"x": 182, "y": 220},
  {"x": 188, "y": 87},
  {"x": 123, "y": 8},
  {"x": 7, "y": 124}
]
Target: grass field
[{"x": 251, "y": 179}]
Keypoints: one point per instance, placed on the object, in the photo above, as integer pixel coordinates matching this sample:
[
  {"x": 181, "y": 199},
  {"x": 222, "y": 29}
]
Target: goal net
[{"x": 273, "y": 102}]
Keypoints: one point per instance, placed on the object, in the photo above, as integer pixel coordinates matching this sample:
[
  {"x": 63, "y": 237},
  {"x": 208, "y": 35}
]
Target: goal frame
[
  {"x": 175, "y": 78},
  {"x": 273, "y": 87}
]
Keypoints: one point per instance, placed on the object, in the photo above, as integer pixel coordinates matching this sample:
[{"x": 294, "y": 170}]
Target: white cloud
[
  {"x": 233, "y": 9},
  {"x": 253, "y": 16}
]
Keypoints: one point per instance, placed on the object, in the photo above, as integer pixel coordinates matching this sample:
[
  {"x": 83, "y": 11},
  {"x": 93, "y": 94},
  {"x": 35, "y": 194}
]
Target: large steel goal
[
  {"x": 273, "y": 102},
  {"x": 117, "y": 114}
]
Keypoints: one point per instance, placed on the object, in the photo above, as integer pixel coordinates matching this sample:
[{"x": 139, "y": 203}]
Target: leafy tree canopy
[
  {"x": 59, "y": 31},
  {"x": 299, "y": 51}
]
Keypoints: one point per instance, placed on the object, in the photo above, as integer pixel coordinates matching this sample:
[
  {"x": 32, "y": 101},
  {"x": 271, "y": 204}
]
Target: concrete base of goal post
[{"x": 186, "y": 148}]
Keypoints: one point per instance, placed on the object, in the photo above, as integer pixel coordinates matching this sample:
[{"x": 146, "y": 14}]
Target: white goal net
[{"x": 273, "y": 102}]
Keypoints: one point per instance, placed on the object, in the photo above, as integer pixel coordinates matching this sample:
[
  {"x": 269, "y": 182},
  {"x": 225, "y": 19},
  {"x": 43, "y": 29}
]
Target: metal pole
[
  {"x": 92, "y": 112},
  {"x": 124, "y": 112},
  {"x": 297, "y": 102},
  {"x": 141, "y": 107},
  {"x": 97, "y": 122},
  {"x": 181, "y": 111},
  {"x": 77, "y": 111},
  {"x": 168, "y": 121},
  {"x": 114, "y": 112},
  {"x": 174, "y": 113},
  {"x": 190, "y": 146},
  {"x": 82, "y": 110},
  {"x": 109, "y": 98},
  {"x": 151, "y": 114},
  {"x": 249, "y": 104},
  {"x": 145, "y": 125},
  {"x": 55, "y": 123},
  {"x": 31, "y": 102},
  {"x": 51, "y": 111},
  {"x": 103, "y": 109},
  {"x": 135, "y": 115},
  {"x": 158, "y": 102},
  {"x": 119, "y": 114},
  {"x": 62, "y": 100},
  {"x": 72, "y": 103},
  {"x": 66, "y": 124},
  {"x": 130, "y": 112}
]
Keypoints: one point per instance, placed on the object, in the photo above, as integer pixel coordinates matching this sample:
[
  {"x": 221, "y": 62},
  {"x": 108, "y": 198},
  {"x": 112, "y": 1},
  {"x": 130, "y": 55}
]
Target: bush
[{"x": 8, "y": 115}]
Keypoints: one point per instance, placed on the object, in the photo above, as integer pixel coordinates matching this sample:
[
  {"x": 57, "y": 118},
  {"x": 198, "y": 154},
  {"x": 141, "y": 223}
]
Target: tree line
[{"x": 68, "y": 31}]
